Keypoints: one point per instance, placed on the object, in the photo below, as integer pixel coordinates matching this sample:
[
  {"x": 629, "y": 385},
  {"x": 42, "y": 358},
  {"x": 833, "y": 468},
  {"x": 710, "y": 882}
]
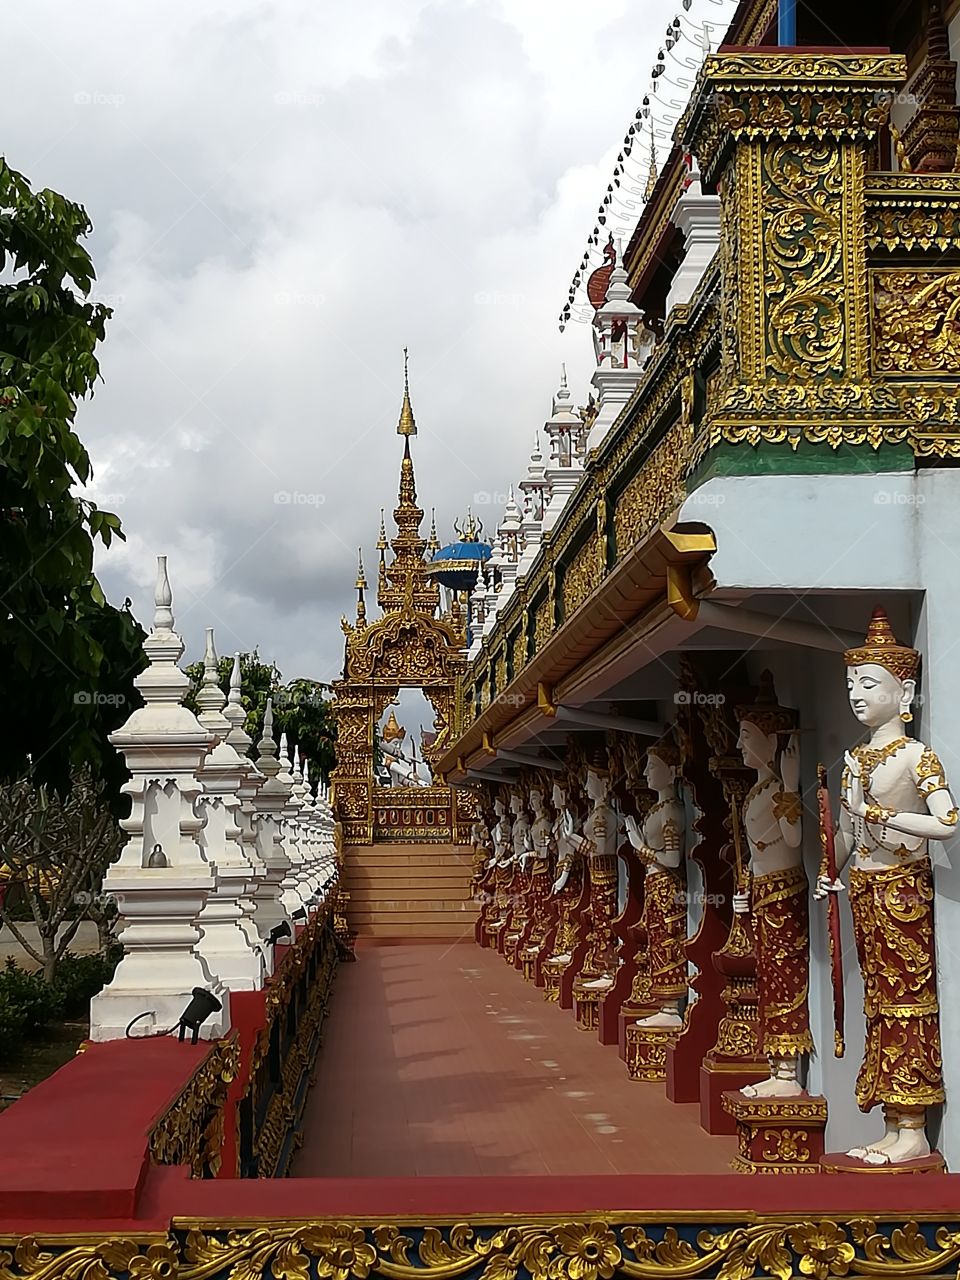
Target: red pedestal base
[
  {"x": 715, "y": 1081},
  {"x": 778, "y": 1135},
  {"x": 647, "y": 1051}
]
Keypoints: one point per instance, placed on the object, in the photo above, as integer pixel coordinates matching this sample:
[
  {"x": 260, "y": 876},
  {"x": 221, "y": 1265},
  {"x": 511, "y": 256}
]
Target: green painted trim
[{"x": 807, "y": 459}]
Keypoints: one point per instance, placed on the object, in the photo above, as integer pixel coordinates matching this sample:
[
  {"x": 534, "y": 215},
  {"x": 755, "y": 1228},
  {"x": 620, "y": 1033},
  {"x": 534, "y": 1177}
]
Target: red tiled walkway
[{"x": 438, "y": 1060}]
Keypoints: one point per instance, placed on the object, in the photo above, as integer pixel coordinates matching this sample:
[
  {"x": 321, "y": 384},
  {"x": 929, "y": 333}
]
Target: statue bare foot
[
  {"x": 910, "y": 1144},
  {"x": 773, "y": 1088},
  {"x": 661, "y": 1019}
]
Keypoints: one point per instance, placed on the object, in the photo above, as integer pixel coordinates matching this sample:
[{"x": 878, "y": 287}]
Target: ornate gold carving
[
  {"x": 915, "y": 330},
  {"x": 190, "y": 1131},
  {"x": 580, "y": 576},
  {"x": 316, "y": 945},
  {"x": 595, "y": 1247},
  {"x": 413, "y": 813},
  {"x": 542, "y": 625},
  {"x": 518, "y": 650},
  {"x": 654, "y": 492},
  {"x": 745, "y": 96}
]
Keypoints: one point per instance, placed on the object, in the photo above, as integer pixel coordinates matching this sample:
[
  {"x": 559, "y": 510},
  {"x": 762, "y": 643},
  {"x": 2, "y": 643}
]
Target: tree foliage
[
  {"x": 67, "y": 657},
  {"x": 300, "y": 708},
  {"x": 54, "y": 850}
]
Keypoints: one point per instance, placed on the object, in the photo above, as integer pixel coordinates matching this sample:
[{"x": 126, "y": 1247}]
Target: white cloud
[{"x": 285, "y": 194}]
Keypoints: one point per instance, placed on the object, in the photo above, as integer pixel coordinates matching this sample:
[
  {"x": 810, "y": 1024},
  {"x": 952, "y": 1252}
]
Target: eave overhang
[{"x": 660, "y": 579}]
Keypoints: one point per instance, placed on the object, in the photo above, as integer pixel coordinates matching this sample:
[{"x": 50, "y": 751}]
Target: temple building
[
  {"x": 767, "y": 455},
  {"x": 675, "y": 911}
]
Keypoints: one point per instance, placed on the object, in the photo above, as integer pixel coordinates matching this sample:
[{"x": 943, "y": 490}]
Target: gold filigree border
[{"x": 592, "y": 1247}]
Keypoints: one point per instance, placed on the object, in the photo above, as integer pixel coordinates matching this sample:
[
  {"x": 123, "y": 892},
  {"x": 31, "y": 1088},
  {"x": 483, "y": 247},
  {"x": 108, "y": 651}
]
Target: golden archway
[{"x": 412, "y": 645}]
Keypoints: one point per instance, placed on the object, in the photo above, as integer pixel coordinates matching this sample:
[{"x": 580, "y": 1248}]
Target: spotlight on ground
[{"x": 197, "y": 1012}]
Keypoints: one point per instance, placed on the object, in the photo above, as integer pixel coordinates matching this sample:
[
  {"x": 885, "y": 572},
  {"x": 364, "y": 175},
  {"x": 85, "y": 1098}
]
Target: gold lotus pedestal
[
  {"x": 647, "y": 1051},
  {"x": 778, "y": 1135}
]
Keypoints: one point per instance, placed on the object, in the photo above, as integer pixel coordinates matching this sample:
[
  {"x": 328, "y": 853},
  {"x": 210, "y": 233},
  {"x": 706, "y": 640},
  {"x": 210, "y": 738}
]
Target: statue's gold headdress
[
  {"x": 765, "y": 712},
  {"x": 880, "y": 649}
]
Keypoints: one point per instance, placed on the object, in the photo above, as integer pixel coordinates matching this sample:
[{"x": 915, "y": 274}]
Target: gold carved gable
[{"x": 404, "y": 649}]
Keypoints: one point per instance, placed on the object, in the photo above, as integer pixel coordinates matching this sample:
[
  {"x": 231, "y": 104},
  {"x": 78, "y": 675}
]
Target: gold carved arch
[{"x": 412, "y": 645}]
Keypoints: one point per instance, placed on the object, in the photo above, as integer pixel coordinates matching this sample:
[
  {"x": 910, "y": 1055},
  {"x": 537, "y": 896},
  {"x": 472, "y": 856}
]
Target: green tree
[
  {"x": 307, "y": 717},
  {"x": 300, "y": 708},
  {"x": 67, "y": 657}
]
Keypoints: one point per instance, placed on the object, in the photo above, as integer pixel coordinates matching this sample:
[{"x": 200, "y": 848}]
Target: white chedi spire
[
  {"x": 618, "y": 301},
  {"x": 292, "y": 835},
  {"x": 210, "y": 698},
  {"x": 229, "y": 941},
  {"x": 565, "y": 432},
  {"x": 161, "y": 880},
  {"x": 562, "y": 428},
  {"x": 267, "y": 761},
  {"x": 623, "y": 345},
  {"x": 270, "y": 801},
  {"x": 509, "y": 530},
  {"x": 234, "y": 713},
  {"x": 535, "y": 487},
  {"x": 285, "y": 773}
]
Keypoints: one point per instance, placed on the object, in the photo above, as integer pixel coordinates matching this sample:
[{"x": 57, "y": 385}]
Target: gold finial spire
[
  {"x": 652, "y": 175},
  {"x": 433, "y": 545},
  {"x": 382, "y": 540},
  {"x": 407, "y": 425},
  {"x": 361, "y": 587}
]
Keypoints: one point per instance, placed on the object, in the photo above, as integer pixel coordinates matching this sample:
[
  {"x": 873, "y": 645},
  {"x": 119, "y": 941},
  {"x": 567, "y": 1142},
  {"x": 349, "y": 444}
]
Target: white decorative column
[
  {"x": 564, "y": 468},
  {"x": 698, "y": 217},
  {"x": 535, "y": 488},
  {"x": 509, "y": 535},
  {"x": 624, "y": 346},
  {"x": 269, "y": 803},
  {"x": 161, "y": 881},
  {"x": 229, "y": 940}
]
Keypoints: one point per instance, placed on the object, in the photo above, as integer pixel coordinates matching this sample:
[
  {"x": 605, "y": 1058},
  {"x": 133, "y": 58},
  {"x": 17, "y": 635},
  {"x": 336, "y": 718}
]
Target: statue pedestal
[
  {"x": 778, "y": 1135},
  {"x": 840, "y": 1162},
  {"x": 629, "y": 1016},
  {"x": 587, "y": 1000},
  {"x": 553, "y": 969},
  {"x": 736, "y": 1059},
  {"x": 718, "y": 1078},
  {"x": 647, "y": 1051}
]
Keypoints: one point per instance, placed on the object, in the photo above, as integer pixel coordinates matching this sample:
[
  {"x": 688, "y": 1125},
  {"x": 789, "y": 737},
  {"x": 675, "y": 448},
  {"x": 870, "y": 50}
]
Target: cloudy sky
[{"x": 284, "y": 195}]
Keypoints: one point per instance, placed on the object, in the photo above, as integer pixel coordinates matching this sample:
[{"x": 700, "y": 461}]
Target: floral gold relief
[
  {"x": 916, "y": 329},
  {"x": 580, "y": 576},
  {"x": 596, "y": 1247}
]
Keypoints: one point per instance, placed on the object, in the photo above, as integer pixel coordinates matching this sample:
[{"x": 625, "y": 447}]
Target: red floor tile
[{"x": 440, "y": 1061}]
